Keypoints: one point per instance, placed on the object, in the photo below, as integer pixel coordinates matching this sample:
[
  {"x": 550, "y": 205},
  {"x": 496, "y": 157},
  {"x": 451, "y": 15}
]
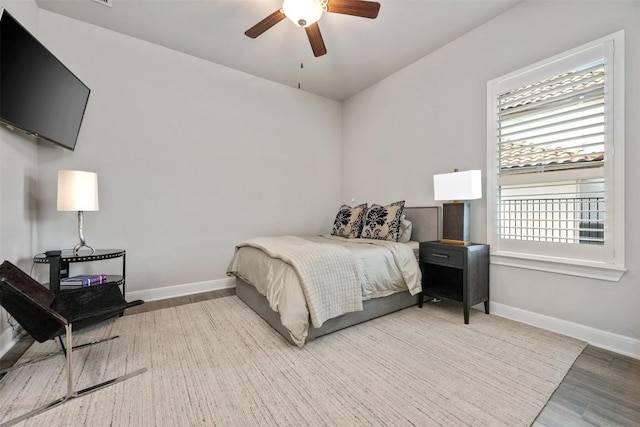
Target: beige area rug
[{"x": 218, "y": 363}]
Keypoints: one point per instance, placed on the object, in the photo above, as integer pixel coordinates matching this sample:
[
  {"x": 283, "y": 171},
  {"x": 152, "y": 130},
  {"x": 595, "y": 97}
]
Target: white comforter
[
  {"x": 328, "y": 274},
  {"x": 381, "y": 268}
]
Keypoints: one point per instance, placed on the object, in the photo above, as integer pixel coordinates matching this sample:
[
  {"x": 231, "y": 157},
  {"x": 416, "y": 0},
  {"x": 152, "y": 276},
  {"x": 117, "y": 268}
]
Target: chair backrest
[{"x": 29, "y": 302}]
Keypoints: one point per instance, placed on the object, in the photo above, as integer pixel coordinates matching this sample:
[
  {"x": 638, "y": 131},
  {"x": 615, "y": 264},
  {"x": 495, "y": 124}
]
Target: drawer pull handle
[{"x": 440, "y": 256}]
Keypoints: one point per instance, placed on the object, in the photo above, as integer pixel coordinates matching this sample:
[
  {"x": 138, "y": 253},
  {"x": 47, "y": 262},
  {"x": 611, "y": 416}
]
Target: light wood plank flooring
[{"x": 602, "y": 388}]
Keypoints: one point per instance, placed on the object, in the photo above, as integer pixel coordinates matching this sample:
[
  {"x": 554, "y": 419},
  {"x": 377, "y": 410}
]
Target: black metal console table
[{"x": 59, "y": 265}]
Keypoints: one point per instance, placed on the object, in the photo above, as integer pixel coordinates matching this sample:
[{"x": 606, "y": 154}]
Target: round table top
[{"x": 82, "y": 256}]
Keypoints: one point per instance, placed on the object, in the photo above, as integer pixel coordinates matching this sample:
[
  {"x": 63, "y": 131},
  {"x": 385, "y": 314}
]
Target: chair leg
[
  {"x": 71, "y": 394},
  {"x": 56, "y": 353},
  {"x": 69, "y": 353}
]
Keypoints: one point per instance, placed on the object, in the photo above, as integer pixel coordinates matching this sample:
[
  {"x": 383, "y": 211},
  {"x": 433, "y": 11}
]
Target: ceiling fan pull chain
[
  {"x": 301, "y": 46},
  {"x": 300, "y": 75}
]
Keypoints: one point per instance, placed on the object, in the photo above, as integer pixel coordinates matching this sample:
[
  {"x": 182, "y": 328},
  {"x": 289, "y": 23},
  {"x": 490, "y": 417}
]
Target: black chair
[{"x": 46, "y": 315}]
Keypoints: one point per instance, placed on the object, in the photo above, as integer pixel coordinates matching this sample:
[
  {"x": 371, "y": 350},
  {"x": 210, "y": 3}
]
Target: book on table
[{"x": 83, "y": 280}]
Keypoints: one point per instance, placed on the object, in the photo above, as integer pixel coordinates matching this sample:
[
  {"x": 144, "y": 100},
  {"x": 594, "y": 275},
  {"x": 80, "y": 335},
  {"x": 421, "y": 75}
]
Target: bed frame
[{"x": 426, "y": 226}]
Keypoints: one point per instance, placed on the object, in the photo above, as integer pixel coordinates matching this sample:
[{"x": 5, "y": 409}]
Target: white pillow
[{"x": 406, "y": 227}]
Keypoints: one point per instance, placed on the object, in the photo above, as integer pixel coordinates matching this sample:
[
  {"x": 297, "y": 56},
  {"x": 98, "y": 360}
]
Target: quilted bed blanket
[{"x": 328, "y": 275}]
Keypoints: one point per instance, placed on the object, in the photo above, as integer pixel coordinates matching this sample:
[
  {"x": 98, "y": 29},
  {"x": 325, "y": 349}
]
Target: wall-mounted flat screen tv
[{"x": 38, "y": 94}]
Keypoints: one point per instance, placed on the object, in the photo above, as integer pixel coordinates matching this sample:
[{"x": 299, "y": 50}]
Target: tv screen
[{"x": 38, "y": 94}]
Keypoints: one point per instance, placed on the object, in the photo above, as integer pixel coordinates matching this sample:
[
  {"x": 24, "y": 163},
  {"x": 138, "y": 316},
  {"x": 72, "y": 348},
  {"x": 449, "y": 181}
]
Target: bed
[{"x": 375, "y": 303}]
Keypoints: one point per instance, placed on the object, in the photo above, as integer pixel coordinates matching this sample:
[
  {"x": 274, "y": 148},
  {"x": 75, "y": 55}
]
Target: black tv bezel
[{"x": 9, "y": 124}]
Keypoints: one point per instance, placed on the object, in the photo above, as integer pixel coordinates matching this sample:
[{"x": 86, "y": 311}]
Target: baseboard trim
[
  {"x": 7, "y": 340},
  {"x": 621, "y": 344},
  {"x": 181, "y": 290}
]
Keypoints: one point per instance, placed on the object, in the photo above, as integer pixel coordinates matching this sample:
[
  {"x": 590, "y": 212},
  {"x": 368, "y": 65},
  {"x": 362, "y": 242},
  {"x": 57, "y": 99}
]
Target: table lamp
[
  {"x": 78, "y": 191},
  {"x": 457, "y": 187}
]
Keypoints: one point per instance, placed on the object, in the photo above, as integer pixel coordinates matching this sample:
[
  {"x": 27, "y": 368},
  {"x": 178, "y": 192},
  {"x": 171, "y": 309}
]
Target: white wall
[
  {"x": 431, "y": 118},
  {"x": 191, "y": 157},
  {"x": 18, "y": 178}
]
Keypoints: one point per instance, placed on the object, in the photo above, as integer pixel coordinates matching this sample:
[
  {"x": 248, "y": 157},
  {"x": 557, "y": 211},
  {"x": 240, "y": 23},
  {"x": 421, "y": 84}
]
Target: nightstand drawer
[{"x": 443, "y": 256}]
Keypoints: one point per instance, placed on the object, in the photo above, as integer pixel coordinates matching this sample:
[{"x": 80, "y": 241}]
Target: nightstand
[
  {"x": 455, "y": 272},
  {"x": 59, "y": 265}
]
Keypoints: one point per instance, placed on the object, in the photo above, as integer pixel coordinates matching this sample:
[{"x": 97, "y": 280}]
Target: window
[{"x": 556, "y": 163}]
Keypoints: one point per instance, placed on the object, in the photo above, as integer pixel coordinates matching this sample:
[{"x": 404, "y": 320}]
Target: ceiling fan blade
[
  {"x": 265, "y": 24},
  {"x": 315, "y": 38},
  {"x": 364, "y": 9}
]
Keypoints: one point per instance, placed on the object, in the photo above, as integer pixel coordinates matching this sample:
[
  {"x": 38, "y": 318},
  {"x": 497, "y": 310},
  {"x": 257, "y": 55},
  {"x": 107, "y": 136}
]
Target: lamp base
[
  {"x": 80, "y": 245},
  {"x": 456, "y": 242},
  {"x": 455, "y": 223}
]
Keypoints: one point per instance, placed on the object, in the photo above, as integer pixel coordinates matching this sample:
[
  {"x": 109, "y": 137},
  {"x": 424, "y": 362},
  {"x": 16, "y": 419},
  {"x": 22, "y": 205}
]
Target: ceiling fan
[{"x": 306, "y": 13}]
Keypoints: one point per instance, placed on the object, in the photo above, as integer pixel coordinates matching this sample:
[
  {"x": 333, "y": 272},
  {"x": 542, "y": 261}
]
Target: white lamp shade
[
  {"x": 307, "y": 11},
  {"x": 77, "y": 191},
  {"x": 465, "y": 185}
]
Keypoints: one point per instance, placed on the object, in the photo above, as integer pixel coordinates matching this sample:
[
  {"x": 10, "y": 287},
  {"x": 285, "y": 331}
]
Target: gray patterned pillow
[
  {"x": 349, "y": 221},
  {"x": 383, "y": 222}
]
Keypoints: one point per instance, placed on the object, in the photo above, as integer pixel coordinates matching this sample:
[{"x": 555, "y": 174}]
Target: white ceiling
[{"x": 361, "y": 51}]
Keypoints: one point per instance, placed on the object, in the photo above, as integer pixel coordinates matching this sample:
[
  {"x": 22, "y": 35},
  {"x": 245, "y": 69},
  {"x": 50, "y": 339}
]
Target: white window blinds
[
  {"x": 557, "y": 123},
  {"x": 551, "y": 125}
]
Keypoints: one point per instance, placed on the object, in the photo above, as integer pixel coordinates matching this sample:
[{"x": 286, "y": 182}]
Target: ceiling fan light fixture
[{"x": 304, "y": 12}]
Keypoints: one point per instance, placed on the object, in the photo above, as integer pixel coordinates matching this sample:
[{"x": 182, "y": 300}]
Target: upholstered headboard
[{"x": 426, "y": 222}]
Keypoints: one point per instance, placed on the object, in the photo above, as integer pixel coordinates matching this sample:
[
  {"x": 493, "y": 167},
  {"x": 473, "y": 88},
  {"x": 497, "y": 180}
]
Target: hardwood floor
[
  {"x": 174, "y": 302},
  {"x": 602, "y": 388}
]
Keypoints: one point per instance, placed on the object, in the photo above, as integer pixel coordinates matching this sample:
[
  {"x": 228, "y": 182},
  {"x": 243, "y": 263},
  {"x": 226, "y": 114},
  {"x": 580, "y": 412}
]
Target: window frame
[{"x": 610, "y": 265}]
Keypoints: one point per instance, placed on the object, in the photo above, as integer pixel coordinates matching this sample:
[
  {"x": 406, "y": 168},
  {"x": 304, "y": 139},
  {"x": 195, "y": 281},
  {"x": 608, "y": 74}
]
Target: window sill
[{"x": 571, "y": 267}]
